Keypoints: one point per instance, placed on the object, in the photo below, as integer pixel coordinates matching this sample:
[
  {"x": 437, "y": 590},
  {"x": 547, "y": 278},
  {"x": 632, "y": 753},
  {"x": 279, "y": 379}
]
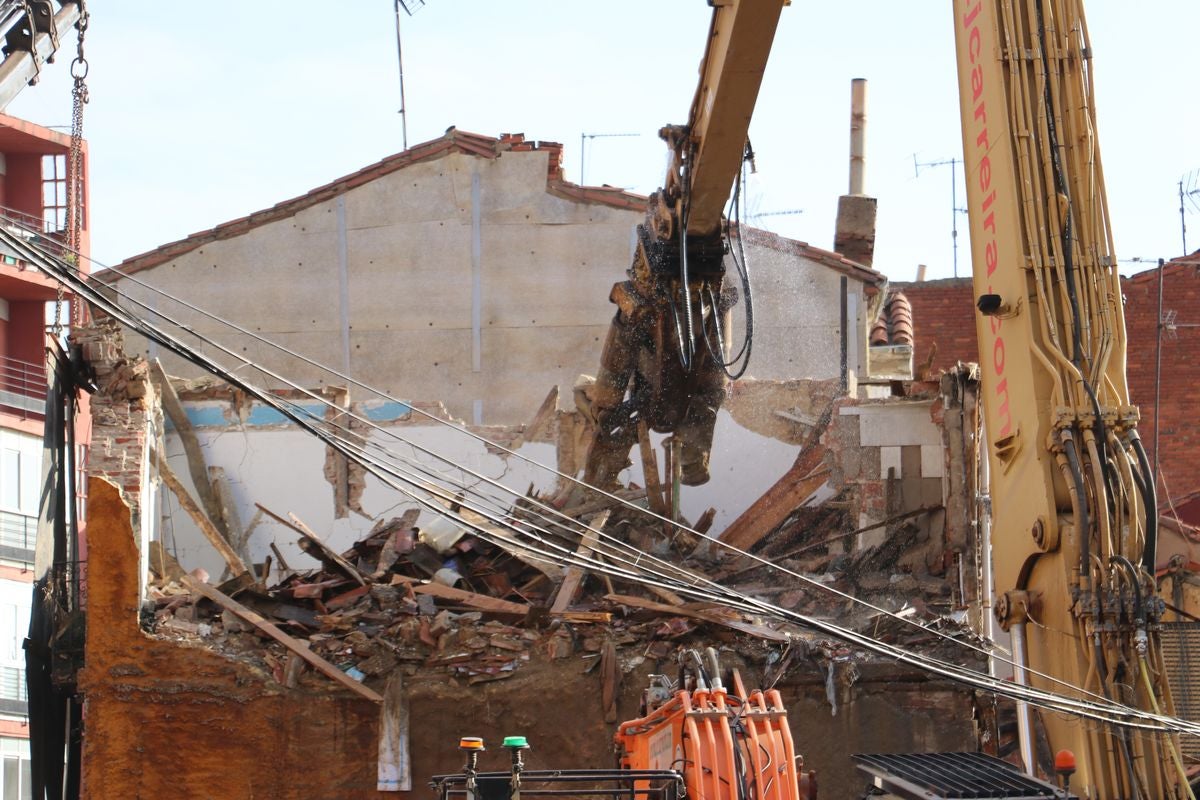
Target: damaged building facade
[{"x": 440, "y": 260}]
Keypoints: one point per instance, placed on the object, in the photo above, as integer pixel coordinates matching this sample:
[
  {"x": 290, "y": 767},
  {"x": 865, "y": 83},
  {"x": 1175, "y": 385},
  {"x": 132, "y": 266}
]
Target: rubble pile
[{"x": 436, "y": 597}]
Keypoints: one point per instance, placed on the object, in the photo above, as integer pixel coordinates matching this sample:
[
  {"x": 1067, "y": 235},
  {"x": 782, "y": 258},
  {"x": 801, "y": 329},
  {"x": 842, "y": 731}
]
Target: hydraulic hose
[
  {"x": 1150, "y": 500},
  {"x": 1139, "y": 606},
  {"x": 1183, "y": 778},
  {"x": 1083, "y": 524}
]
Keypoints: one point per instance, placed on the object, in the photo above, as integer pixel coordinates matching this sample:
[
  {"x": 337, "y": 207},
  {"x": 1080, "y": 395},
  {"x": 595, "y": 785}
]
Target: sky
[{"x": 197, "y": 118}]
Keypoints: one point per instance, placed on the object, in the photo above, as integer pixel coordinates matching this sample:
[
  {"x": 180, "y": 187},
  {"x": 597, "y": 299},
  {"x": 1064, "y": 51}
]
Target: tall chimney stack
[
  {"x": 854, "y": 236},
  {"x": 858, "y": 136}
]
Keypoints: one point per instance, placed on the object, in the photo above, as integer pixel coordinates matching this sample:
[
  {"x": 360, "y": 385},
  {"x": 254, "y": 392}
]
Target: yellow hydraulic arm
[
  {"x": 1074, "y": 513},
  {"x": 663, "y": 364}
]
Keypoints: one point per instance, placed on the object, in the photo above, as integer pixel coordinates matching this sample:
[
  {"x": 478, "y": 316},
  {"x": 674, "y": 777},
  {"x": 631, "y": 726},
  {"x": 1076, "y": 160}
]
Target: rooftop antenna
[
  {"x": 1188, "y": 190},
  {"x": 583, "y": 140},
  {"x": 410, "y": 7},
  {"x": 790, "y": 212},
  {"x": 954, "y": 209}
]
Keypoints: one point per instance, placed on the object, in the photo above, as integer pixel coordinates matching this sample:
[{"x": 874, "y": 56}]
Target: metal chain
[{"x": 75, "y": 183}]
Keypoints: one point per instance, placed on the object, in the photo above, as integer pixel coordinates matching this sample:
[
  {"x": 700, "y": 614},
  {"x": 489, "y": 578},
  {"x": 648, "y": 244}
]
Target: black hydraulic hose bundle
[{"x": 1150, "y": 501}]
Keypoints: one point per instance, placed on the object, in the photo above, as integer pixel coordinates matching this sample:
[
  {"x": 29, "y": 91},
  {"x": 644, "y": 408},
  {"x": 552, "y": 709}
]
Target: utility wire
[
  {"x": 570, "y": 521},
  {"x": 1104, "y": 711}
]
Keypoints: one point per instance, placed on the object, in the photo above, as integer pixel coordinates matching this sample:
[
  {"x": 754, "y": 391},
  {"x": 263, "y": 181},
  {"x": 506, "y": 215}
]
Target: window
[
  {"x": 54, "y": 193},
  {"x": 15, "y": 769},
  {"x": 20, "y": 487}
]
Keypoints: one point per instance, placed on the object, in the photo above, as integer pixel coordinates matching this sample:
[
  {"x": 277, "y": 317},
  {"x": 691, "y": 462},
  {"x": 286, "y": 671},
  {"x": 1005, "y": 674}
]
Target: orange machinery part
[{"x": 697, "y": 734}]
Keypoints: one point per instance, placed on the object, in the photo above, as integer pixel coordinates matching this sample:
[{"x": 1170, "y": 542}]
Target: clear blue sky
[{"x": 202, "y": 115}]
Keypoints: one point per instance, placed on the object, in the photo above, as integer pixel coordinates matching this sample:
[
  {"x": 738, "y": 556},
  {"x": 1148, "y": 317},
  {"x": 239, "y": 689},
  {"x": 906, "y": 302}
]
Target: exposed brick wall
[
  {"x": 1179, "y": 425},
  {"x": 944, "y": 313},
  {"x": 122, "y": 409}
]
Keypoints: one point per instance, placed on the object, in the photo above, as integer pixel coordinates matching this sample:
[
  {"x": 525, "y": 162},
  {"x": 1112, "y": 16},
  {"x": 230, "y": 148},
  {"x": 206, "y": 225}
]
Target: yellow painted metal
[
  {"x": 739, "y": 42},
  {"x": 659, "y": 351},
  {"x": 1060, "y": 430}
]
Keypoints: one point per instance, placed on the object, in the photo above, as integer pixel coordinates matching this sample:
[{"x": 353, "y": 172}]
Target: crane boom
[
  {"x": 32, "y": 32},
  {"x": 660, "y": 367},
  {"x": 730, "y": 75},
  {"x": 1073, "y": 497}
]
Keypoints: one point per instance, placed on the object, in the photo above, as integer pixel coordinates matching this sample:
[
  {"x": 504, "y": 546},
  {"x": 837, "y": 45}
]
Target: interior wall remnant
[
  {"x": 126, "y": 419},
  {"x": 170, "y": 721},
  {"x": 908, "y": 468}
]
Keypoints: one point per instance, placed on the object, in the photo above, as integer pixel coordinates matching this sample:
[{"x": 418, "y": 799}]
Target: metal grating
[
  {"x": 952, "y": 776},
  {"x": 1181, "y": 656}
]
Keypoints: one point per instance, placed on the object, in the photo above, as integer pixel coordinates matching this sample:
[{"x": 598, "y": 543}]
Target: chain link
[{"x": 75, "y": 166}]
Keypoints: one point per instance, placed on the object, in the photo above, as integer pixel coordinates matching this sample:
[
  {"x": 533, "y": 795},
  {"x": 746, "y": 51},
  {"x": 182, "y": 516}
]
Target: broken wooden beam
[
  {"x": 191, "y": 447},
  {"x": 295, "y": 646},
  {"x": 473, "y": 599},
  {"x": 655, "y": 496},
  {"x": 317, "y": 549},
  {"x": 541, "y": 419},
  {"x": 574, "y": 575},
  {"x": 622, "y": 497},
  {"x": 236, "y": 565},
  {"x": 235, "y": 534},
  {"x": 761, "y": 631},
  {"x": 768, "y": 512}
]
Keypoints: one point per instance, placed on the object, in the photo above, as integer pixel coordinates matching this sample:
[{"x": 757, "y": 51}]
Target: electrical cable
[
  {"x": 440, "y": 510},
  {"x": 1056, "y": 702}
]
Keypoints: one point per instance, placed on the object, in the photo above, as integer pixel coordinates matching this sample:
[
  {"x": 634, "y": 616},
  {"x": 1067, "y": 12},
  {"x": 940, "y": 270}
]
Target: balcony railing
[
  {"x": 18, "y": 530},
  {"x": 12, "y": 683},
  {"x": 44, "y": 232},
  {"x": 22, "y": 387}
]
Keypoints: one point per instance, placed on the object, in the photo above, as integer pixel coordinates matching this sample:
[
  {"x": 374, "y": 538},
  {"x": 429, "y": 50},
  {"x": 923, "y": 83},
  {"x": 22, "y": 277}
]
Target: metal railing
[
  {"x": 44, "y": 231},
  {"x": 12, "y": 684},
  {"x": 22, "y": 386},
  {"x": 18, "y": 531}
]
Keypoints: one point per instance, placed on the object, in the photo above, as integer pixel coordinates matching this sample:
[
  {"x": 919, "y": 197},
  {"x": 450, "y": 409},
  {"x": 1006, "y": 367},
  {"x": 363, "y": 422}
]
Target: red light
[{"x": 1064, "y": 762}]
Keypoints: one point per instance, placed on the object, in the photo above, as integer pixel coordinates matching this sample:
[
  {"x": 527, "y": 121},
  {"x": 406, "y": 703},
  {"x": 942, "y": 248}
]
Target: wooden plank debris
[
  {"x": 394, "y": 769},
  {"x": 610, "y": 680},
  {"x": 316, "y": 548},
  {"x": 300, "y": 649},
  {"x": 214, "y": 536},
  {"x": 769, "y": 511},
  {"x": 575, "y": 574},
  {"x": 191, "y": 447},
  {"x": 541, "y": 419},
  {"x": 592, "y": 506},
  {"x": 473, "y": 599},
  {"x": 655, "y": 496},
  {"x": 715, "y": 618},
  {"x": 235, "y": 534}
]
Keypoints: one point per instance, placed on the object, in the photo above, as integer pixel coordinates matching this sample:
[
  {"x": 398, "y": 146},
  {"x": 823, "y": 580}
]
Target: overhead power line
[{"x": 500, "y": 528}]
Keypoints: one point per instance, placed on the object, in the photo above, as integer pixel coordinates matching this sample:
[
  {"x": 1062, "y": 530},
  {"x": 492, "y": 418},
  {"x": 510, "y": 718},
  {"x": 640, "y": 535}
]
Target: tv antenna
[
  {"x": 790, "y": 212},
  {"x": 1189, "y": 191},
  {"x": 583, "y": 140},
  {"x": 954, "y": 209},
  {"x": 410, "y": 7}
]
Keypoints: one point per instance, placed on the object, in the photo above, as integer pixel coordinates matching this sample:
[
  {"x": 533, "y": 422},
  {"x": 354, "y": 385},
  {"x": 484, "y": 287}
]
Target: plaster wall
[
  {"x": 461, "y": 280},
  {"x": 282, "y": 467}
]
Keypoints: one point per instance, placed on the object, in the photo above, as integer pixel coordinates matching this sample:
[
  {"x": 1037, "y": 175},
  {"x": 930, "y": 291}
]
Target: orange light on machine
[{"x": 471, "y": 743}]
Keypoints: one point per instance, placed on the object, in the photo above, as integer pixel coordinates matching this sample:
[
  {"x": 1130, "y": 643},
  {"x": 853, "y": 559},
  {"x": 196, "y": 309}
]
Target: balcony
[
  {"x": 22, "y": 388},
  {"x": 18, "y": 536},
  {"x": 13, "y": 693}
]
